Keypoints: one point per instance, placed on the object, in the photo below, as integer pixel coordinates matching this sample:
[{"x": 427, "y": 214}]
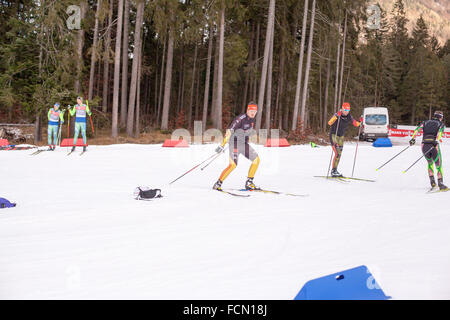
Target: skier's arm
[
  {"x": 417, "y": 130},
  {"x": 72, "y": 111},
  {"x": 88, "y": 110},
  {"x": 61, "y": 116},
  {"x": 230, "y": 130},
  {"x": 227, "y": 138},
  {"x": 355, "y": 123},
  {"x": 49, "y": 113},
  {"x": 441, "y": 133},
  {"x": 334, "y": 118}
]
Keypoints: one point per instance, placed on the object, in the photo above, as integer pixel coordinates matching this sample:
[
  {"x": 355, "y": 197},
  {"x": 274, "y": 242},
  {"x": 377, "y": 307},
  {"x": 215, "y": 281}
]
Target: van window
[{"x": 376, "y": 119}]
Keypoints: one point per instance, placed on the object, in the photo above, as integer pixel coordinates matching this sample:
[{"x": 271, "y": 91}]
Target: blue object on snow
[
  {"x": 382, "y": 142},
  {"x": 6, "y": 204},
  {"x": 353, "y": 284}
]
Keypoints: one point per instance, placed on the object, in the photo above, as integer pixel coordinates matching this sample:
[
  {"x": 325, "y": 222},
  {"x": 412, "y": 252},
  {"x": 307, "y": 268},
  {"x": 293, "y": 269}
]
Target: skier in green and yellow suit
[
  {"x": 54, "y": 117},
  {"x": 80, "y": 109}
]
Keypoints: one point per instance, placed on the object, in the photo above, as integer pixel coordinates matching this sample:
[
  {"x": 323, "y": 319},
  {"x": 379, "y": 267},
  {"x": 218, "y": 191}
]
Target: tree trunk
[
  {"x": 115, "y": 111},
  {"x": 249, "y": 67},
  {"x": 168, "y": 83},
  {"x": 208, "y": 72},
  {"x": 269, "y": 81},
  {"x": 180, "y": 79},
  {"x": 134, "y": 71},
  {"x": 138, "y": 98},
  {"x": 161, "y": 81},
  {"x": 214, "y": 91},
  {"x": 320, "y": 91},
  {"x": 308, "y": 65},
  {"x": 106, "y": 58},
  {"x": 124, "y": 93},
  {"x": 280, "y": 82},
  {"x": 325, "y": 103},
  {"x": 336, "y": 85},
  {"x": 262, "y": 85},
  {"x": 197, "y": 95},
  {"x": 146, "y": 97},
  {"x": 220, "y": 71},
  {"x": 79, "y": 50},
  {"x": 256, "y": 62},
  {"x": 342, "y": 61},
  {"x": 94, "y": 53},
  {"x": 37, "y": 129},
  {"x": 191, "y": 101},
  {"x": 98, "y": 81},
  {"x": 300, "y": 68}
]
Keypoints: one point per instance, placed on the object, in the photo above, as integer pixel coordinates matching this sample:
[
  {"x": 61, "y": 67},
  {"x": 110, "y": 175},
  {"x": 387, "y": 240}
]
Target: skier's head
[
  {"x": 56, "y": 106},
  {"x": 438, "y": 115},
  {"x": 80, "y": 100},
  {"x": 252, "y": 109},
  {"x": 345, "y": 108}
]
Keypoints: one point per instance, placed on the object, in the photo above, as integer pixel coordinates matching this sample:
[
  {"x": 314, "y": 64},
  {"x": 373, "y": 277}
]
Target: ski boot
[
  {"x": 336, "y": 174},
  {"x": 432, "y": 182},
  {"x": 441, "y": 184},
  {"x": 50, "y": 148},
  {"x": 249, "y": 185},
  {"x": 84, "y": 149},
  {"x": 73, "y": 149},
  {"x": 218, "y": 185}
]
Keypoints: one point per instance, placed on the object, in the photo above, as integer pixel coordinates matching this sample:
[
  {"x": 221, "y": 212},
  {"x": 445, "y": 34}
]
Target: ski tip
[{"x": 376, "y": 169}]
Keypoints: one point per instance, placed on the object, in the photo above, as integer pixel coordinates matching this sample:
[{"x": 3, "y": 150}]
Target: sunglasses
[{"x": 346, "y": 110}]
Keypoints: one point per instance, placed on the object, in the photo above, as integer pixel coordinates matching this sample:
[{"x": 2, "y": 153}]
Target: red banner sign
[{"x": 409, "y": 133}]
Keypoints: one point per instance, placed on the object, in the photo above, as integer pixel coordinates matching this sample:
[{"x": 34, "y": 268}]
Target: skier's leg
[
  {"x": 55, "y": 136},
  {"x": 438, "y": 161},
  {"x": 77, "y": 132},
  {"x": 225, "y": 173},
  {"x": 338, "y": 146},
  {"x": 251, "y": 154},
  {"x": 49, "y": 135},
  {"x": 83, "y": 132},
  {"x": 429, "y": 156}
]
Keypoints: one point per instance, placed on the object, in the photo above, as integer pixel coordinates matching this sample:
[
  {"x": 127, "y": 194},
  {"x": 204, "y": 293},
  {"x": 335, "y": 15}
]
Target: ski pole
[
  {"x": 418, "y": 160},
  {"x": 212, "y": 160},
  {"x": 58, "y": 142},
  {"x": 331, "y": 157},
  {"x": 193, "y": 168},
  {"x": 392, "y": 158},
  {"x": 356, "y": 150},
  {"x": 68, "y": 123},
  {"x": 92, "y": 125}
]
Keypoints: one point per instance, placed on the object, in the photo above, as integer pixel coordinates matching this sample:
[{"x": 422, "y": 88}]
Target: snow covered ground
[{"x": 77, "y": 232}]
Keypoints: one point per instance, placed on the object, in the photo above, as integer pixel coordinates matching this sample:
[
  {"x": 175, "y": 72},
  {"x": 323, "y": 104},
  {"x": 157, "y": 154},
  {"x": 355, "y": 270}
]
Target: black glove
[
  {"x": 412, "y": 142},
  {"x": 219, "y": 149}
]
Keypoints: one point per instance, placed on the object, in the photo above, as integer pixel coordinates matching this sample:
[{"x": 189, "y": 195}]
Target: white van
[{"x": 375, "y": 123}]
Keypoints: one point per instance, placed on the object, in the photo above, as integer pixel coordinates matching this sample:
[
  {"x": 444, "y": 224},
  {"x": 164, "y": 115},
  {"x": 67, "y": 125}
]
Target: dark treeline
[{"x": 163, "y": 64}]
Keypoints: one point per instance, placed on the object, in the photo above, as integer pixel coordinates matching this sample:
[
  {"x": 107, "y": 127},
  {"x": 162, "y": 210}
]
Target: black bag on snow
[{"x": 145, "y": 193}]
